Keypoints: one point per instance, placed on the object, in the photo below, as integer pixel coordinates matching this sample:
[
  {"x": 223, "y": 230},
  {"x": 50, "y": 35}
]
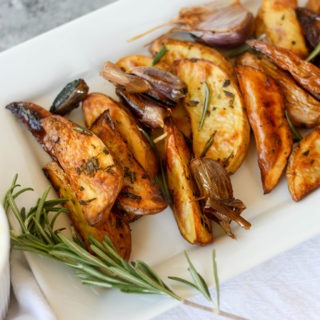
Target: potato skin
[
  {"x": 303, "y": 171},
  {"x": 278, "y": 21},
  {"x": 116, "y": 227},
  {"x": 304, "y": 72},
  {"x": 265, "y": 109},
  {"x": 177, "y": 49},
  {"x": 96, "y": 103},
  {"x": 313, "y": 5},
  {"x": 194, "y": 226},
  {"x": 85, "y": 159},
  {"x": 140, "y": 195},
  {"x": 127, "y": 63},
  {"x": 225, "y": 119},
  {"x": 303, "y": 109}
]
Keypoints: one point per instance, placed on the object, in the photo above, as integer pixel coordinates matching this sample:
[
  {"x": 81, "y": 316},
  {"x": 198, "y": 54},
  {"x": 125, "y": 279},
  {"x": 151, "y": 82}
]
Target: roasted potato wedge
[
  {"x": 81, "y": 154},
  {"x": 303, "y": 171},
  {"x": 278, "y": 21},
  {"x": 177, "y": 49},
  {"x": 116, "y": 227},
  {"x": 194, "y": 226},
  {"x": 224, "y": 122},
  {"x": 85, "y": 159},
  {"x": 265, "y": 109},
  {"x": 303, "y": 109},
  {"x": 313, "y": 5},
  {"x": 304, "y": 72},
  {"x": 139, "y": 195},
  {"x": 127, "y": 63},
  {"x": 96, "y": 103}
]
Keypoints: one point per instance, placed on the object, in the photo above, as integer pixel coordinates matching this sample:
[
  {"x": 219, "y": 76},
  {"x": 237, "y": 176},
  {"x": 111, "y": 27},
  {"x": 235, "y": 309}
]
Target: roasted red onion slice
[
  {"x": 227, "y": 27},
  {"x": 215, "y": 188},
  {"x": 161, "y": 81},
  {"x": 70, "y": 97},
  {"x": 118, "y": 77},
  {"x": 222, "y": 23},
  {"x": 310, "y": 23},
  {"x": 151, "y": 113}
]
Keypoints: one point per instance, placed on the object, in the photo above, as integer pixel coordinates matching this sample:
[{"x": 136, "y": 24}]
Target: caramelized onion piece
[
  {"x": 222, "y": 23},
  {"x": 310, "y": 23},
  {"x": 227, "y": 26},
  {"x": 118, "y": 77},
  {"x": 149, "y": 111},
  {"x": 164, "y": 82},
  {"x": 70, "y": 97},
  {"x": 215, "y": 188}
]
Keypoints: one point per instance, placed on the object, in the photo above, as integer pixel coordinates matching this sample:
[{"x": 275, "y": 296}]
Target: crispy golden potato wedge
[
  {"x": 181, "y": 119},
  {"x": 304, "y": 72},
  {"x": 127, "y": 63},
  {"x": 194, "y": 226},
  {"x": 81, "y": 154},
  {"x": 303, "y": 109},
  {"x": 115, "y": 227},
  {"x": 139, "y": 195},
  {"x": 96, "y": 103},
  {"x": 278, "y": 21},
  {"x": 224, "y": 123},
  {"x": 177, "y": 49},
  {"x": 86, "y": 161},
  {"x": 303, "y": 171},
  {"x": 313, "y": 5},
  {"x": 265, "y": 109}
]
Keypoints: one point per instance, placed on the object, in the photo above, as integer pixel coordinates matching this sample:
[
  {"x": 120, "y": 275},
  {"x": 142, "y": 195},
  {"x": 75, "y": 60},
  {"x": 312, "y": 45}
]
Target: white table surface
[{"x": 285, "y": 287}]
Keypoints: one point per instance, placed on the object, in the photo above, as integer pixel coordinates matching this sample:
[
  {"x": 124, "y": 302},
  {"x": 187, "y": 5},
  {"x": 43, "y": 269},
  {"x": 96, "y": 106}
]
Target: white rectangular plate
[{"x": 36, "y": 71}]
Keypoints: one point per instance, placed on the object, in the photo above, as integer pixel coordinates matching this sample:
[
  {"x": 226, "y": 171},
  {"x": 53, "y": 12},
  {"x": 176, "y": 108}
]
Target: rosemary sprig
[
  {"x": 314, "y": 52},
  {"x": 159, "y": 55},
  {"x": 205, "y": 105},
  {"x": 104, "y": 267}
]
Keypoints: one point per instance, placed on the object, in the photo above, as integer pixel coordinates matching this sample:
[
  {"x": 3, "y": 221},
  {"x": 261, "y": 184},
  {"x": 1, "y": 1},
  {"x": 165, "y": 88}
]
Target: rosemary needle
[
  {"x": 205, "y": 105},
  {"x": 314, "y": 52}
]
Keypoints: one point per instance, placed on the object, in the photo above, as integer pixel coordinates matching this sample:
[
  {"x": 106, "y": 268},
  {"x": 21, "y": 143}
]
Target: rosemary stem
[{"x": 212, "y": 310}]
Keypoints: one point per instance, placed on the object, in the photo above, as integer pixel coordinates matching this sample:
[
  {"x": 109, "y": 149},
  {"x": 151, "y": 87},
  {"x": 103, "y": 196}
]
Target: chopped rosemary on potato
[
  {"x": 315, "y": 52},
  {"x": 205, "y": 105},
  {"x": 295, "y": 133},
  {"x": 159, "y": 55},
  {"x": 208, "y": 144},
  {"x": 242, "y": 49},
  {"x": 104, "y": 267}
]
